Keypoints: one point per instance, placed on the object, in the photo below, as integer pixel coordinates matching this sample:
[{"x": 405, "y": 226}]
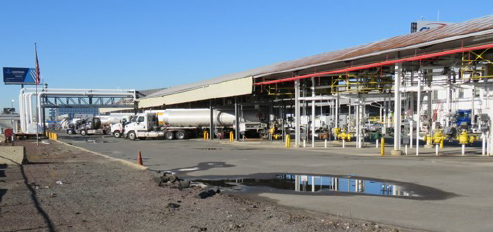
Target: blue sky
[{"x": 154, "y": 44}]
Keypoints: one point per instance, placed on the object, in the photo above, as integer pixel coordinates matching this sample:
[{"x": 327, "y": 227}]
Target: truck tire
[
  {"x": 131, "y": 135},
  {"x": 181, "y": 135},
  {"x": 83, "y": 132},
  {"x": 70, "y": 131},
  {"x": 169, "y": 135},
  {"x": 117, "y": 134}
]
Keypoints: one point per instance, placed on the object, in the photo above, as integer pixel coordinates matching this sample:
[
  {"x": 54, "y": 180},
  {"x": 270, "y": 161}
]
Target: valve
[
  {"x": 336, "y": 131},
  {"x": 342, "y": 135},
  {"x": 349, "y": 137},
  {"x": 438, "y": 137},
  {"x": 463, "y": 138}
]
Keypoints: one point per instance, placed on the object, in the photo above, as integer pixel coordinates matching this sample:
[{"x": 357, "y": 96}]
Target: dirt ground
[{"x": 63, "y": 188}]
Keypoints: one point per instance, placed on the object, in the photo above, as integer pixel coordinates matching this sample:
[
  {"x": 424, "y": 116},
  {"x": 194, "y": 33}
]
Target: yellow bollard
[
  {"x": 231, "y": 136},
  {"x": 49, "y": 135},
  {"x": 56, "y": 136},
  {"x": 382, "y": 146},
  {"x": 288, "y": 141},
  {"x": 441, "y": 143}
]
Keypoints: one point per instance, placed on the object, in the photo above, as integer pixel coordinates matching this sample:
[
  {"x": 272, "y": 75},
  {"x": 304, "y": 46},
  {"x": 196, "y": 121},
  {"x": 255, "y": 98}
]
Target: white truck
[
  {"x": 118, "y": 128},
  {"x": 186, "y": 123}
]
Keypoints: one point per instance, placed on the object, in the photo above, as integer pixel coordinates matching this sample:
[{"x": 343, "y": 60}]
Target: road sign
[{"x": 19, "y": 76}]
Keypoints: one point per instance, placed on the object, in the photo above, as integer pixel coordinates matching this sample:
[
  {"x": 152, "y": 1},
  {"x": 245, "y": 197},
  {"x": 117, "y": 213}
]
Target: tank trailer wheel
[
  {"x": 181, "y": 135},
  {"x": 169, "y": 135},
  {"x": 83, "y": 132}
]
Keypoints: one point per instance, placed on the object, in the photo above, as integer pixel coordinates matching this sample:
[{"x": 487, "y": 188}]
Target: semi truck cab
[{"x": 146, "y": 125}]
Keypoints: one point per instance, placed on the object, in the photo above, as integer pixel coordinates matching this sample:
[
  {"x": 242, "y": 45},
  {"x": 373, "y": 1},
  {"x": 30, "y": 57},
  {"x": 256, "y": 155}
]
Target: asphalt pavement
[{"x": 466, "y": 205}]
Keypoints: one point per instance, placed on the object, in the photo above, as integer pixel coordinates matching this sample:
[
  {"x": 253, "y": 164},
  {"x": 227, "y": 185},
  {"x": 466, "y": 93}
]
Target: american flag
[{"x": 37, "y": 65}]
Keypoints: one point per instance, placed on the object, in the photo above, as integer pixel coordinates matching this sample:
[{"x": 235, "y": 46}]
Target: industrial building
[{"x": 423, "y": 79}]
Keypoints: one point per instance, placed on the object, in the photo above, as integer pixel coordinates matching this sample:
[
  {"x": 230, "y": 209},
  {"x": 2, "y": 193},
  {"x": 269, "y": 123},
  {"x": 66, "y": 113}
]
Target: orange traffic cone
[{"x": 139, "y": 159}]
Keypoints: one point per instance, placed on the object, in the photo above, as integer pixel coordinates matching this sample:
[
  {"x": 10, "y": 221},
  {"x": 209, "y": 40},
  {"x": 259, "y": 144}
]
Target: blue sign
[{"x": 19, "y": 76}]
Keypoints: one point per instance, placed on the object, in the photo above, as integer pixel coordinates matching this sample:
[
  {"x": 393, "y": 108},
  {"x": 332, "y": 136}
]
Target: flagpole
[{"x": 37, "y": 104}]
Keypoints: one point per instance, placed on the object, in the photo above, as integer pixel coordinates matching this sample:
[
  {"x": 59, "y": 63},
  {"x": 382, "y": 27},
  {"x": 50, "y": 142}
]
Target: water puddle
[{"x": 326, "y": 185}]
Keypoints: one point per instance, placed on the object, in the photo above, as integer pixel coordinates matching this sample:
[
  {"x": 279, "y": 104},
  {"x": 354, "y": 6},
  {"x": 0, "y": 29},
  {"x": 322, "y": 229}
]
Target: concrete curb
[
  {"x": 125, "y": 162},
  {"x": 12, "y": 154}
]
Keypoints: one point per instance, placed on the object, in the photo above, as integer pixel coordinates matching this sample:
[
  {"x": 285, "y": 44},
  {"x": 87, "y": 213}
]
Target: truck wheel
[
  {"x": 131, "y": 135},
  {"x": 83, "y": 132},
  {"x": 169, "y": 135},
  {"x": 117, "y": 134},
  {"x": 70, "y": 132},
  {"x": 181, "y": 135}
]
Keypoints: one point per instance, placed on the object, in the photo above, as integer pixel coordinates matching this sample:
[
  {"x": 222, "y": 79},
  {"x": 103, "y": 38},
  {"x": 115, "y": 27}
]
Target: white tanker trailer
[{"x": 186, "y": 123}]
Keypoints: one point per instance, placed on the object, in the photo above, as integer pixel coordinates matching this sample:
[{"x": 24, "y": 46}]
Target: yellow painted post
[
  {"x": 382, "y": 147},
  {"x": 288, "y": 140},
  {"x": 441, "y": 143},
  {"x": 56, "y": 136},
  {"x": 231, "y": 136}
]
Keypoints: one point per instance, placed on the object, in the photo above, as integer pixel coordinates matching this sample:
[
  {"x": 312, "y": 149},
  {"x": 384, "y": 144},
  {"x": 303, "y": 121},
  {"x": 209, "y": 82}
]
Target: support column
[
  {"x": 38, "y": 112},
  {"x": 358, "y": 123},
  {"x": 418, "y": 112},
  {"x": 430, "y": 118},
  {"x": 21, "y": 112},
  {"x": 337, "y": 111},
  {"x": 30, "y": 106},
  {"x": 385, "y": 112},
  {"x": 211, "y": 135},
  {"x": 313, "y": 114},
  {"x": 237, "y": 121},
  {"x": 380, "y": 118},
  {"x": 283, "y": 117},
  {"x": 411, "y": 122},
  {"x": 44, "y": 120},
  {"x": 397, "y": 110},
  {"x": 473, "y": 114},
  {"x": 26, "y": 112},
  {"x": 297, "y": 112},
  {"x": 448, "y": 108}
]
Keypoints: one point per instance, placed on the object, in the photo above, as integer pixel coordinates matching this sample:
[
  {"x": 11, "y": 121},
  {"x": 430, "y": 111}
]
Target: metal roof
[
  {"x": 398, "y": 42},
  {"x": 146, "y": 92}
]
